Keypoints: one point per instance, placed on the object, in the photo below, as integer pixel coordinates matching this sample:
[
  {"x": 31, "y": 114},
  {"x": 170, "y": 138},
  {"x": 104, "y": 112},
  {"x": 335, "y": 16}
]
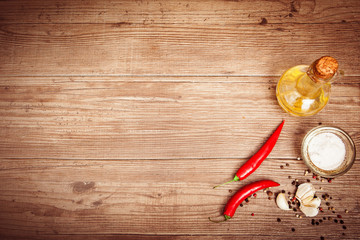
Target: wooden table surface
[{"x": 118, "y": 117}]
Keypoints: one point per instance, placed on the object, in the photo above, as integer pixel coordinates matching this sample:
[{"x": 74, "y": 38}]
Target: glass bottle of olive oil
[{"x": 305, "y": 90}]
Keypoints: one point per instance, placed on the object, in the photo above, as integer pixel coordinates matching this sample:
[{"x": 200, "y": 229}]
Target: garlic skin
[
  {"x": 309, "y": 211},
  {"x": 315, "y": 203},
  {"x": 309, "y": 204},
  {"x": 305, "y": 190},
  {"x": 281, "y": 202}
]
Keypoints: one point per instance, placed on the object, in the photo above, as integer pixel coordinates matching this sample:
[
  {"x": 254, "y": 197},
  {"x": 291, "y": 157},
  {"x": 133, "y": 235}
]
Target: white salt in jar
[{"x": 328, "y": 151}]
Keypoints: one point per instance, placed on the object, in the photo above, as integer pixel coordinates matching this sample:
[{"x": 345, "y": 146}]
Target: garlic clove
[
  {"x": 315, "y": 203},
  {"x": 306, "y": 200},
  {"x": 281, "y": 202},
  {"x": 309, "y": 211},
  {"x": 304, "y": 191}
]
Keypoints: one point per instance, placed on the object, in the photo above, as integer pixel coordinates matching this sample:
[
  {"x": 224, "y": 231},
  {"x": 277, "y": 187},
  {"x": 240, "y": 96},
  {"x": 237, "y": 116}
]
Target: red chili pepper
[
  {"x": 242, "y": 194},
  {"x": 255, "y": 161}
]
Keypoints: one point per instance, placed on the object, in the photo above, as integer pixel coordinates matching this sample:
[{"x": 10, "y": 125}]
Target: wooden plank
[
  {"x": 45, "y": 197},
  {"x": 179, "y": 12},
  {"x": 101, "y": 119},
  {"x": 126, "y": 49}
]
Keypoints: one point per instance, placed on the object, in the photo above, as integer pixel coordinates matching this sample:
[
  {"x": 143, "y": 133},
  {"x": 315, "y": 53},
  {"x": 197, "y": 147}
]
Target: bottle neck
[{"x": 309, "y": 85}]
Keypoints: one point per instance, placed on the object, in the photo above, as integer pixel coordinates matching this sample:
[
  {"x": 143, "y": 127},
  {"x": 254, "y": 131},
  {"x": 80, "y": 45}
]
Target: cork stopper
[{"x": 325, "y": 67}]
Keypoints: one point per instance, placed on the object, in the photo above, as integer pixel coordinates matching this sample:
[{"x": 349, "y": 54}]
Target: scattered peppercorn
[
  {"x": 324, "y": 218},
  {"x": 317, "y": 178},
  {"x": 294, "y": 209},
  {"x": 269, "y": 198},
  {"x": 279, "y": 220},
  {"x": 293, "y": 229},
  {"x": 283, "y": 191},
  {"x": 317, "y": 223},
  {"x": 293, "y": 182},
  {"x": 341, "y": 221},
  {"x": 287, "y": 164},
  {"x": 333, "y": 212},
  {"x": 246, "y": 200},
  {"x": 322, "y": 238},
  {"x": 327, "y": 204},
  {"x": 344, "y": 227},
  {"x": 335, "y": 221},
  {"x": 269, "y": 193},
  {"x": 290, "y": 194},
  {"x": 330, "y": 218},
  {"x": 320, "y": 221},
  {"x": 281, "y": 166},
  {"x": 308, "y": 180},
  {"x": 241, "y": 205}
]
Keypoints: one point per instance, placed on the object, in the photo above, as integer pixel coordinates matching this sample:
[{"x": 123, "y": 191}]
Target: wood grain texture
[
  {"x": 45, "y": 197},
  {"x": 118, "y": 117},
  {"x": 179, "y": 45},
  {"x": 45, "y": 118},
  {"x": 179, "y": 12}
]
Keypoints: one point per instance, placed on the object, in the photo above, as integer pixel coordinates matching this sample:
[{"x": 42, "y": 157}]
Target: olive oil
[{"x": 305, "y": 90}]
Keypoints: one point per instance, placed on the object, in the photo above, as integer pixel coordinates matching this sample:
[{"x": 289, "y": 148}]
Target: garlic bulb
[
  {"x": 309, "y": 204},
  {"x": 282, "y": 202}
]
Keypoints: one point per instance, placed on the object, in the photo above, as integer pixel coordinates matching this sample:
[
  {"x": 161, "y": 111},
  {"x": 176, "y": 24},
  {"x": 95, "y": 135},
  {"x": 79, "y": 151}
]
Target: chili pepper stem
[
  {"x": 214, "y": 221},
  {"x": 236, "y": 178}
]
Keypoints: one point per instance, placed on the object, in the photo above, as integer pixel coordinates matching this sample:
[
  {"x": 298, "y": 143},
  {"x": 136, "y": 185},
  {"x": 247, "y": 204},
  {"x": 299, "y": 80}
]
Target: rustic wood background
[{"x": 118, "y": 117}]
